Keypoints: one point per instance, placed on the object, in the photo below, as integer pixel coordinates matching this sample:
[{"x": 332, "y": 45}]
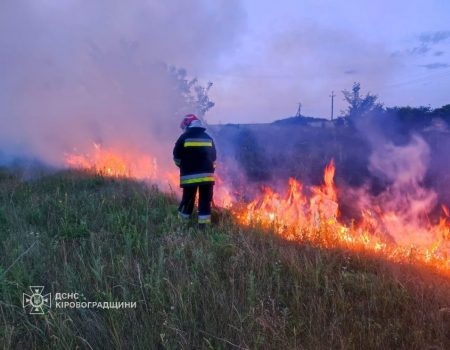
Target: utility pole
[
  {"x": 332, "y": 104},
  {"x": 299, "y": 110}
]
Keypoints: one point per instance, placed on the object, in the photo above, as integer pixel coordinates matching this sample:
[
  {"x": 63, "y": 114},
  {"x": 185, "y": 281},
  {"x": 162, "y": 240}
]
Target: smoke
[
  {"x": 401, "y": 163},
  {"x": 405, "y": 167},
  {"x": 74, "y": 72}
]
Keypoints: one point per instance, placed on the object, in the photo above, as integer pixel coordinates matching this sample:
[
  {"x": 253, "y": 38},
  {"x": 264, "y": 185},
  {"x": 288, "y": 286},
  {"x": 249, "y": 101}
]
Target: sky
[
  {"x": 292, "y": 51},
  {"x": 93, "y": 69}
]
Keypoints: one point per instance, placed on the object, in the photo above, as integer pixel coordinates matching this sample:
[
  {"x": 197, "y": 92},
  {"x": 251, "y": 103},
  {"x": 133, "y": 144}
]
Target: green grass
[{"x": 227, "y": 287}]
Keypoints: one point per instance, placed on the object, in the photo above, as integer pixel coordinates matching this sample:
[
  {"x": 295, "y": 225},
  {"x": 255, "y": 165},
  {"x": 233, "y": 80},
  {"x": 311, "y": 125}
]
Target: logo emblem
[{"x": 36, "y": 301}]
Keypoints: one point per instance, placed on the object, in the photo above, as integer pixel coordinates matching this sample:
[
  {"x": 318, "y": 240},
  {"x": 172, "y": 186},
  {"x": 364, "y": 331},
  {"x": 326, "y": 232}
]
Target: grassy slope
[{"x": 119, "y": 240}]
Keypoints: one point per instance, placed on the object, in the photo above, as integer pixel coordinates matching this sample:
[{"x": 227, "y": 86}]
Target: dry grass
[{"x": 228, "y": 287}]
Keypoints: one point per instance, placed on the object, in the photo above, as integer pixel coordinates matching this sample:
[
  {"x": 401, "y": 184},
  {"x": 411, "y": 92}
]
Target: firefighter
[{"x": 195, "y": 154}]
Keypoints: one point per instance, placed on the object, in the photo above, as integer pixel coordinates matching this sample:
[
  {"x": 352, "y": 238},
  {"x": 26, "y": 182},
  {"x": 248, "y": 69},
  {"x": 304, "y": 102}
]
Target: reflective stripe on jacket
[
  {"x": 197, "y": 178},
  {"x": 195, "y": 154}
]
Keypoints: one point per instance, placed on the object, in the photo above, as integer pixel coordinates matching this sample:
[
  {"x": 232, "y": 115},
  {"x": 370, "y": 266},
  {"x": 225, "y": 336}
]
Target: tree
[
  {"x": 195, "y": 96},
  {"x": 443, "y": 112},
  {"x": 420, "y": 117},
  {"x": 358, "y": 105}
]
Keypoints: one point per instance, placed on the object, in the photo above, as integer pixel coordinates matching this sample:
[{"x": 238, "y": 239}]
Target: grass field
[{"x": 224, "y": 288}]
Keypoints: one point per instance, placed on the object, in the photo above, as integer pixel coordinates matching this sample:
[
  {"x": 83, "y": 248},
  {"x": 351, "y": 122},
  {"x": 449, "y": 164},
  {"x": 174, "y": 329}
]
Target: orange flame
[
  {"x": 317, "y": 221},
  {"x": 296, "y": 216},
  {"x": 113, "y": 162}
]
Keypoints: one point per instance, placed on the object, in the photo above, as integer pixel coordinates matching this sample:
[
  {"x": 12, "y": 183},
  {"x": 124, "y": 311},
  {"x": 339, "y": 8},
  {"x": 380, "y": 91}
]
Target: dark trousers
[{"x": 204, "y": 202}]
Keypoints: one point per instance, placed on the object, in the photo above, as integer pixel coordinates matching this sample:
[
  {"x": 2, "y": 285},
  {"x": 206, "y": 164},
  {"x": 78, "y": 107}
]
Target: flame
[
  {"x": 298, "y": 214},
  {"x": 315, "y": 219},
  {"x": 114, "y": 162}
]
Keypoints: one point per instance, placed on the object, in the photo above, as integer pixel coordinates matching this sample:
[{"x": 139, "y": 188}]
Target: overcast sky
[
  {"x": 292, "y": 51},
  {"x": 263, "y": 56}
]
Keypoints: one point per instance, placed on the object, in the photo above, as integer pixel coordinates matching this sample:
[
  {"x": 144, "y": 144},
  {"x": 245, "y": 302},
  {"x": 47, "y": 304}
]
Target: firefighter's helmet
[{"x": 189, "y": 121}]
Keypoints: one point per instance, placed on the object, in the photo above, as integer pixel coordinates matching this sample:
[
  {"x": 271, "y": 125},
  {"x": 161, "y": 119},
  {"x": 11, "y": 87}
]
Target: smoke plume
[
  {"x": 75, "y": 72},
  {"x": 401, "y": 163}
]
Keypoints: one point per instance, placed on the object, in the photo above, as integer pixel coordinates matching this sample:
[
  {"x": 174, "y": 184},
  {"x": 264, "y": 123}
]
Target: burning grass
[
  {"x": 297, "y": 217},
  {"x": 229, "y": 287},
  {"x": 400, "y": 235}
]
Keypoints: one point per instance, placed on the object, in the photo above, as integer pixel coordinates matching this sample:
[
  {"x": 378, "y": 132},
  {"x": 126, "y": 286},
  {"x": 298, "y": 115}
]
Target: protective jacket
[{"x": 195, "y": 154}]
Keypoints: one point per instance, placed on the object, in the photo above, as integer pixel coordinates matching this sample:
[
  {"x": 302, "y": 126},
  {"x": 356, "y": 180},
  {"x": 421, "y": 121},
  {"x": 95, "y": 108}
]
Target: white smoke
[
  {"x": 403, "y": 207},
  {"x": 74, "y": 72}
]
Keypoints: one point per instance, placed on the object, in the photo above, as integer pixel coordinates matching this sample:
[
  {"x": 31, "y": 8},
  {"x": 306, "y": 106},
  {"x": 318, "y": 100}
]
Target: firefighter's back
[{"x": 198, "y": 152}]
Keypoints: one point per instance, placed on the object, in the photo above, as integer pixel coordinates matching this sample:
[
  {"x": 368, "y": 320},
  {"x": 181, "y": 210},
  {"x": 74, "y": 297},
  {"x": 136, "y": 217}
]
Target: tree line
[{"x": 361, "y": 105}]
